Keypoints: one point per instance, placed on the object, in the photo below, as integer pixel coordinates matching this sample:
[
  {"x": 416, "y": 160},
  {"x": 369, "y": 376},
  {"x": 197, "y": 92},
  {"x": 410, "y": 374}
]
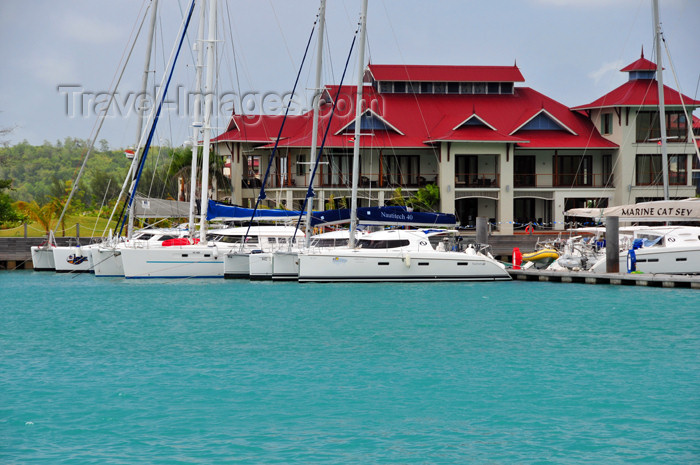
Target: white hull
[
  {"x": 260, "y": 265},
  {"x": 386, "y": 266},
  {"x": 189, "y": 261},
  {"x": 285, "y": 266},
  {"x": 73, "y": 259},
  {"x": 42, "y": 258},
  {"x": 236, "y": 265},
  {"x": 107, "y": 262},
  {"x": 660, "y": 260}
]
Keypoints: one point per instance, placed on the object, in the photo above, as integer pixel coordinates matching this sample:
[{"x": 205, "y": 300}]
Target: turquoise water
[{"x": 101, "y": 371}]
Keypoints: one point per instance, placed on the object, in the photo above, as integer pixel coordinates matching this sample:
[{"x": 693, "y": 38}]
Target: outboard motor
[{"x": 632, "y": 255}]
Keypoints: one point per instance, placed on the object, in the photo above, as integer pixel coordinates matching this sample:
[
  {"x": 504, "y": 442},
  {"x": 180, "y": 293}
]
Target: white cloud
[{"x": 605, "y": 69}]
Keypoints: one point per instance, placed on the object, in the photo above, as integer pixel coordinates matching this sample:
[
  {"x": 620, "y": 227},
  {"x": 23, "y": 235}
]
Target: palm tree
[
  {"x": 43, "y": 215},
  {"x": 426, "y": 199}
]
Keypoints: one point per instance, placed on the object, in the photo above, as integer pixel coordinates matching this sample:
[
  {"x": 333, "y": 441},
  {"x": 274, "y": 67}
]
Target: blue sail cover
[
  {"x": 393, "y": 215},
  {"x": 232, "y": 212}
]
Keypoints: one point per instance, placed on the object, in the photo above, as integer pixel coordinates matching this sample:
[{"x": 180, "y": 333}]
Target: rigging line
[
  {"x": 99, "y": 212},
  {"x": 132, "y": 194},
  {"x": 284, "y": 39},
  {"x": 688, "y": 118},
  {"x": 189, "y": 43},
  {"x": 100, "y": 122},
  {"x": 262, "y": 195},
  {"x": 243, "y": 129},
  {"x": 403, "y": 60},
  {"x": 310, "y": 190},
  {"x": 132, "y": 167}
]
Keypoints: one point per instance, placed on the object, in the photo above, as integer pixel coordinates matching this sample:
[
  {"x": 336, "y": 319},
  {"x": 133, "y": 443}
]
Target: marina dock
[{"x": 623, "y": 279}]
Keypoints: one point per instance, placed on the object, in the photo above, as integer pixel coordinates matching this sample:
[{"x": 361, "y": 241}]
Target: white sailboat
[
  {"x": 395, "y": 255},
  {"x": 200, "y": 258},
  {"x": 49, "y": 256},
  {"x": 655, "y": 249}
]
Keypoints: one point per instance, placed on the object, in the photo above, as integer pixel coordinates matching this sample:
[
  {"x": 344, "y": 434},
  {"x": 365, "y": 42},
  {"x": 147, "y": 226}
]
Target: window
[
  {"x": 466, "y": 88},
  {"x": 388, "y": 244},
  {"x": 606, "y": 123},
  {"x": 453, "y": 87},
  {"x": 467, "y": 170},
  {"x": 506, "y": 87},
  {"x": 607, "y": 171},
  {"x": 649, "y": 170},
  {"x": 401, "y": 170},
  {"x": 525, "y": 171},
  {"x": 573, "y": 170},
  {"x": 338, "y": 170},
  {"x": 493, "y": 88},
  {"x": 386, "y": 87},
  {"x": 301, "y": 164},
  {"x": 400, "y": 87},
  {"x": 649, "y": 129},
  {"x": 479, "y": 87},
  {"x": 439, "y": 88},
  {"x": 426, "y": 87},
  {"x": 236, "y": 239}
]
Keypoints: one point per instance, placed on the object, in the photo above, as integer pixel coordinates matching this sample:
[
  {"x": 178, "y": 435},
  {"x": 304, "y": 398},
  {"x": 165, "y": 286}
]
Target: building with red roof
[{"x": 494, "y": 148}]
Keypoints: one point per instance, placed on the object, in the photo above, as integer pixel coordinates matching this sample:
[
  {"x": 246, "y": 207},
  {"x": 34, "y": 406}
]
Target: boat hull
[
  {"x": 107, "y": 262},
  {"x": 72, "y": 259},
  {"x": 194, "y": 261},
  {"x": 260, "y": 266},
  {"x": 42, "y": 258},
  {"x": 660, "y": 260},
  {"x": 236, "y": 265},
  {"x": 354, "y": 265},
  {"x": 285, "y": 266}
]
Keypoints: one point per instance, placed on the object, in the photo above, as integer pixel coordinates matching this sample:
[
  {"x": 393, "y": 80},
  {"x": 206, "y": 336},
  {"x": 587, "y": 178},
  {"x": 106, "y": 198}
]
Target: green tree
[
  {"x": 42, "y": 214},
  {"x": 8, "y": 214},
  {"x": 426, "y": 199}
]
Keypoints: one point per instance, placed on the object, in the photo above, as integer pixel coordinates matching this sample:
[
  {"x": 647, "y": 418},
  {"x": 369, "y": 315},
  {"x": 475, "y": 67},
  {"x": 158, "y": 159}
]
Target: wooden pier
[
  {"x": 623, "y": 279},
  {"x": 16, "y": 254}
]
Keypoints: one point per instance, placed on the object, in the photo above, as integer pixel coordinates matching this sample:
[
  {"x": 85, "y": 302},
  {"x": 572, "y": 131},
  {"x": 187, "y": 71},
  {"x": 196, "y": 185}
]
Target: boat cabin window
[
  {"x": 329, "y": 242},
  {"x": 144, "y": 236},
  {"x": 165, "y": 237},
  {"x": 233, "y": 239},
  {"x": 281, "y": 240},
  {"x": 389, "y": 244}
]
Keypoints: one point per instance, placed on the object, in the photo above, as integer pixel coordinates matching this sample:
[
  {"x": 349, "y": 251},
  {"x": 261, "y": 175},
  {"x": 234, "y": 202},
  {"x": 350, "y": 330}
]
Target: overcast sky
[{"x": 56, "y": 53}]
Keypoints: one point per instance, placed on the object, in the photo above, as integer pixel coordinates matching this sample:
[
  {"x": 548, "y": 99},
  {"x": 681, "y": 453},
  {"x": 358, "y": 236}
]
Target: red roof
[
  {"x": 421, "y": 120},
  {"x": 637, "y": 93},
  {"x": 425, "y": 73},
  {"x": 640, "y": 65}
]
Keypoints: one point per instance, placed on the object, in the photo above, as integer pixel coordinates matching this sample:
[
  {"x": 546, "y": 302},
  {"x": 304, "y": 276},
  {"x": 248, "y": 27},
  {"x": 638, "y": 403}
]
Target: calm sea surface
[{"x": 108, "y": 371}]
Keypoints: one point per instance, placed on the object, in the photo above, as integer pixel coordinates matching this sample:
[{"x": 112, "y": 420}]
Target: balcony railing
[
  {"x": 478, "y": 180},
  {"x": 572, "y": 180},
  {"x": 344, "y": 180}
]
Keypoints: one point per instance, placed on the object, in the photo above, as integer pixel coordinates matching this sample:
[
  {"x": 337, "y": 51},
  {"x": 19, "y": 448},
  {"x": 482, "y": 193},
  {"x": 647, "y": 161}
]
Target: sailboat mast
[
  {"x": 317, "y": 109},
  {"x": 358, "y": 115},
  {"x": 208, "y": 103},
  {"x": 662, "y": 107},
  {"x": 197, "y": 118},
  {"x": 146, "y": 67},
  {"x": 144, "y": 90}
]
